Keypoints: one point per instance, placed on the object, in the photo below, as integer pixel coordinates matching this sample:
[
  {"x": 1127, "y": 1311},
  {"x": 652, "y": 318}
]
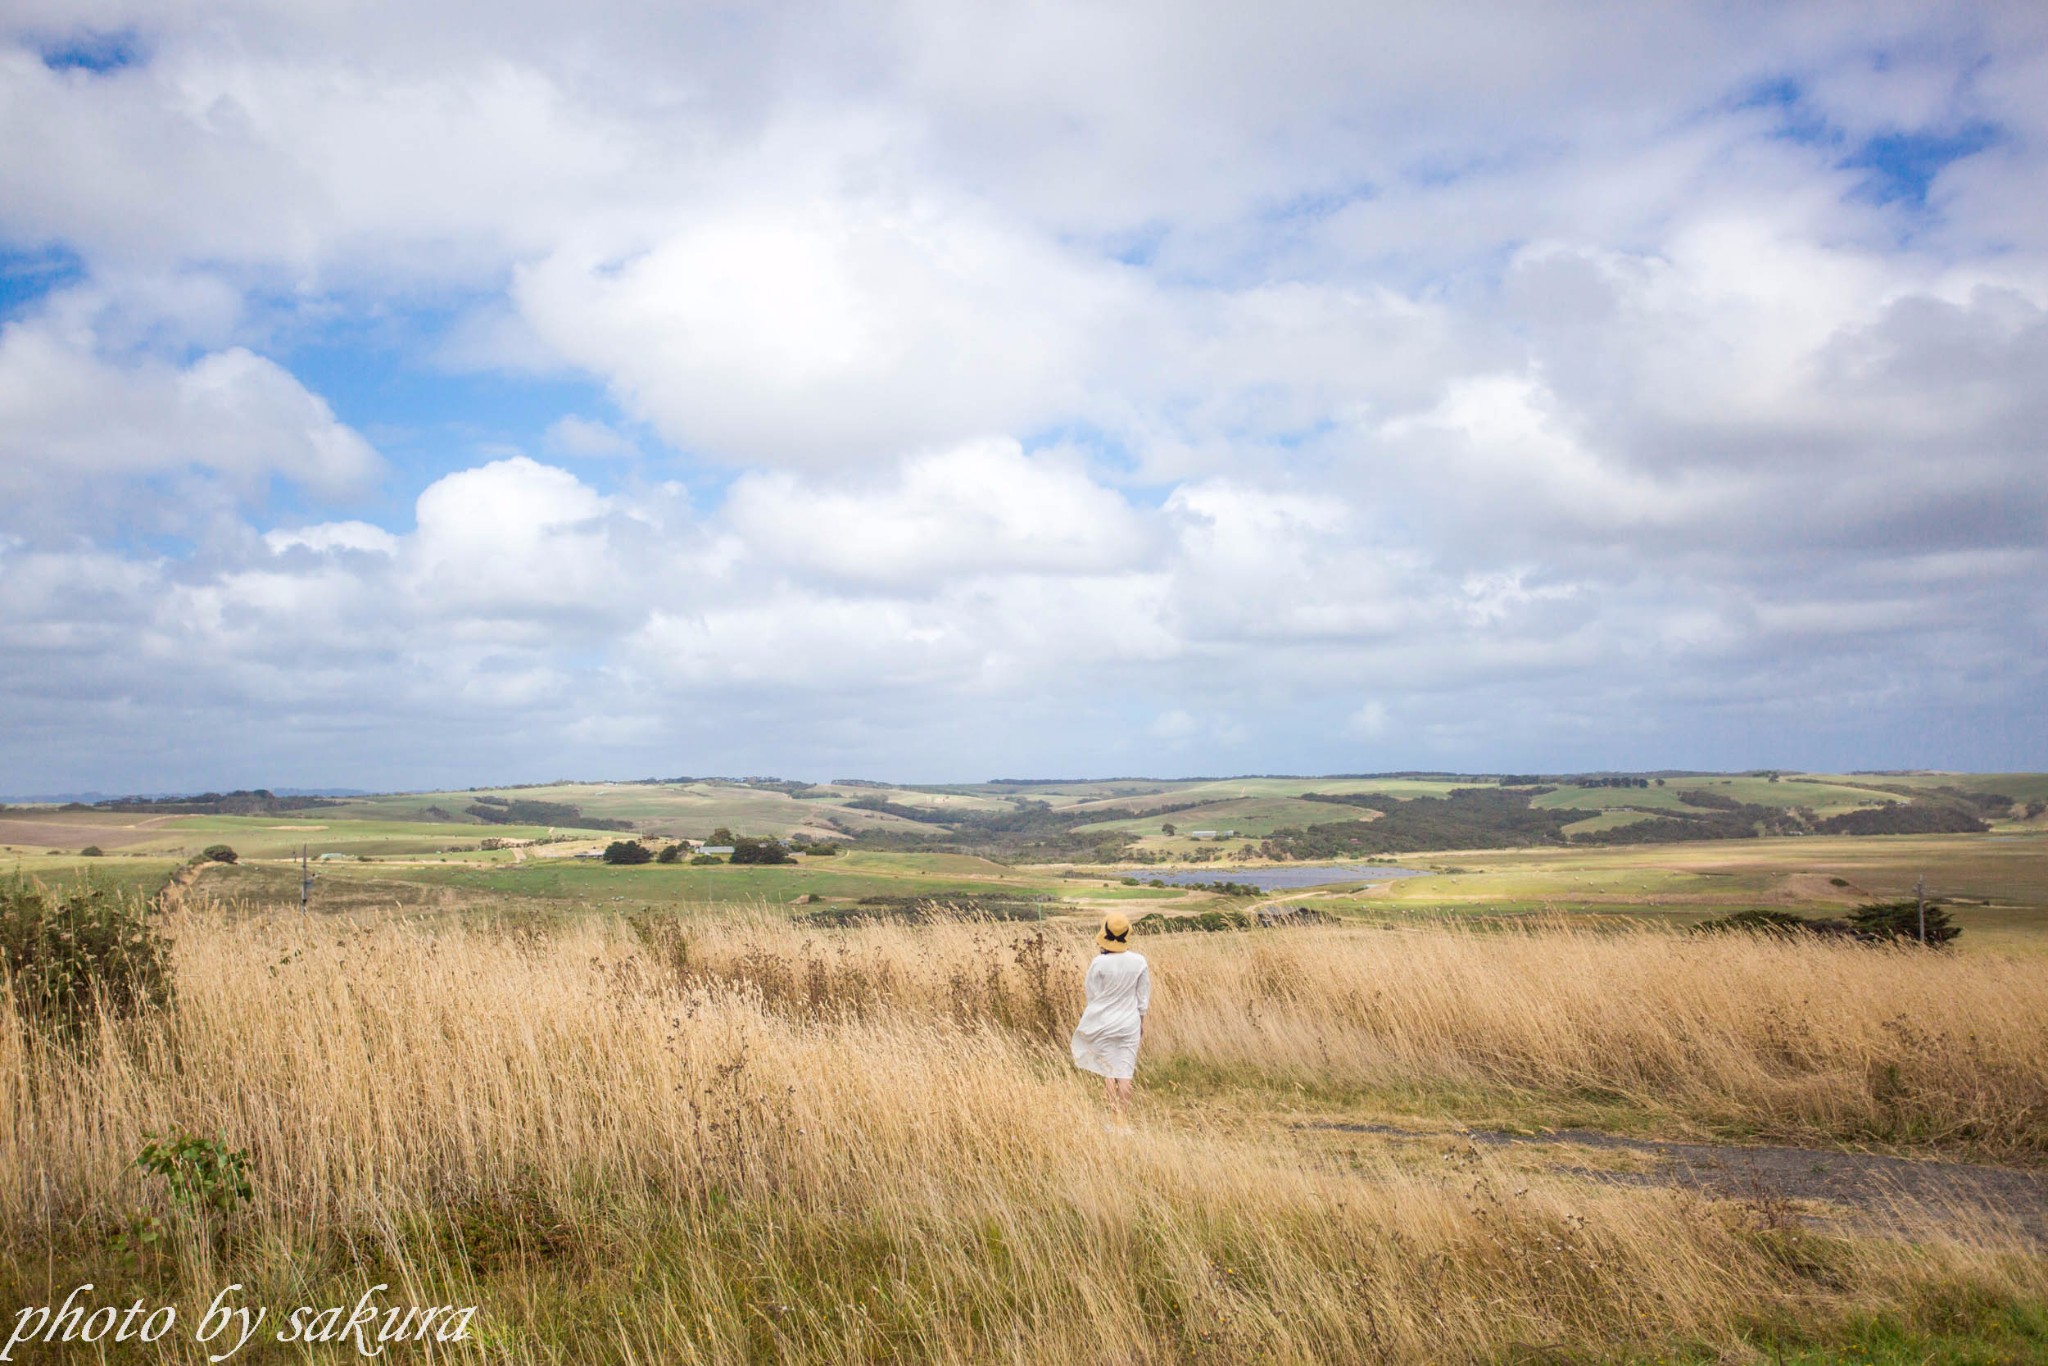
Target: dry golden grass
[
  {"x": 1742, "y": 1033},
  {"x": 730, "y": 1139}
]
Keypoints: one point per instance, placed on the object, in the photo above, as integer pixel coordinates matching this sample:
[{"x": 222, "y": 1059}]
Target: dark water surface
[{"x": 1276, "y": 879}]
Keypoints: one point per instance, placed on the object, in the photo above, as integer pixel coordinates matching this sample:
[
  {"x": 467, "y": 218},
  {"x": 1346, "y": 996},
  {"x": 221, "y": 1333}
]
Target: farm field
[
  {"x": 845, "y": 877},
  {"x": 1994, "y": 884}
]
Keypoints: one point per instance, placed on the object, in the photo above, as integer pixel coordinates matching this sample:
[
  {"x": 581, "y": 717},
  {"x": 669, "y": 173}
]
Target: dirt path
[
  {"x": 1874, "y": 1189},
  {"x": 182, "y": 877}
]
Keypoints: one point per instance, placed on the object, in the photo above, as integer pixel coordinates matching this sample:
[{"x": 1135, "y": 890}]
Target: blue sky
[{"x": 447, "y": 393}]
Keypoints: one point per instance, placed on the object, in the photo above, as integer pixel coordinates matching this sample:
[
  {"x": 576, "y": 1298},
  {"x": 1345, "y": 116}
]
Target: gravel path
[{"x": 1872, "y": 1186}]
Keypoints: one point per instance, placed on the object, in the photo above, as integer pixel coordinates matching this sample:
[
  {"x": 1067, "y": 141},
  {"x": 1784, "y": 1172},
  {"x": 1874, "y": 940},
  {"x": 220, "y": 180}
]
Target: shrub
[
  {"x": 670, "y": 853},
  {"x": 822, "y": 850},
  {"x": 627, "y": 851},
  {"x": 1756, "y": 922},
  {"x": 218, "y": 853},
  {"x": 92, "y": 851},
  {"x": 765, "y": 850},
  {"x": 203, "y": 1173},
  {"x": 67, "y": 956},
  {"x": 1208, "y": 922},
  {"x": 1900, "y": 920},
  {"x": 704, "y": 860}
]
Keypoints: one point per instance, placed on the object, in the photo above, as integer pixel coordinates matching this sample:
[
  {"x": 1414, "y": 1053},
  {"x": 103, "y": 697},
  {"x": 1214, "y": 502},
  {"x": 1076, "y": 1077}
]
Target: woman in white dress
[{"x": 1119, "y": 993}]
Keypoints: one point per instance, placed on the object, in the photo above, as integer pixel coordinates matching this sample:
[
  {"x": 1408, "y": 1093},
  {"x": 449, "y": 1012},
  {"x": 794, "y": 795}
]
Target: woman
[{"x": 1119, "y": 994}]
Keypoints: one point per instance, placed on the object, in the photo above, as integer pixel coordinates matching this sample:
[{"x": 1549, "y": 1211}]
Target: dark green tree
[
  {"x": 745, "y": 850},
  {"x": 627, "y": 851},
  {"x": 1900, "y": 920}
]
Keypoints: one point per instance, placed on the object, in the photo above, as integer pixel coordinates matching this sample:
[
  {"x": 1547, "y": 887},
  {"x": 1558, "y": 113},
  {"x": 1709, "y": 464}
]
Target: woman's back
[{"x": 1119, "y": 987}]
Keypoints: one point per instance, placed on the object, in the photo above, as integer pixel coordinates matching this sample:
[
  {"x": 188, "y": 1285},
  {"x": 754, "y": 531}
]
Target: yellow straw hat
[{"x": 1116, "y": 934}]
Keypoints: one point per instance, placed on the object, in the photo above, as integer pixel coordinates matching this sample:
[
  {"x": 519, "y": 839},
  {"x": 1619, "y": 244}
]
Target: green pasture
[
  {"x": 128, "y": 874},
  {"x": 1827, "y": 798},
  {"x": 1251, "y": 789},
  {"x": 2025, "y": 787},
  {"x": 1612, "y": 818},
  {"x": 688, "y": 810},
  {"x": 321, "y": 830},
  {"x": 846, "y": 877}
]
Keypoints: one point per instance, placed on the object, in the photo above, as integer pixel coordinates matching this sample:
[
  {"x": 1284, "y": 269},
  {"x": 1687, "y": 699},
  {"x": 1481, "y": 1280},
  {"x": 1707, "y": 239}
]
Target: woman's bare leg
[{"x": 1119, "y": 1095}]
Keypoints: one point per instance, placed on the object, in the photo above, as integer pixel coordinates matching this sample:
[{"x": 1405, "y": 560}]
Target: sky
[{"x": 444, "y": 392}]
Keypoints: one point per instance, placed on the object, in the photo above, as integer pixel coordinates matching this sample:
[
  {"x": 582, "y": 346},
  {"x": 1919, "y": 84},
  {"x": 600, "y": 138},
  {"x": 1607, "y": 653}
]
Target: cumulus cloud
[
  {"x": 74, "y": 420},
  {"x": 830, "y": 329},
  {"x": 978, "y": 509},
  {"x": 1063, "y": 386}
]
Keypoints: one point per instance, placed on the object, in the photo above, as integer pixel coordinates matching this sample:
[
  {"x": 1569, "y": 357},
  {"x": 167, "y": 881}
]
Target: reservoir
[{"x": 1279, "y": 879}]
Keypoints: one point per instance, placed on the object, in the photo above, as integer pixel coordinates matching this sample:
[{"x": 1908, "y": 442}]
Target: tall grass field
[{"x": 725, "y": 1137}]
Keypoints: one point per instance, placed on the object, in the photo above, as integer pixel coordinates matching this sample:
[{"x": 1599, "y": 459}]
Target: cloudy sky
[{"x": 426, "y": 392}]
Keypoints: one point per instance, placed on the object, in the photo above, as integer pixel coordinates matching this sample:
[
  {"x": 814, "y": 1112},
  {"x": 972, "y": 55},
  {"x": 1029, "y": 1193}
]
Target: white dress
[{"x": 1119, "y": 994}]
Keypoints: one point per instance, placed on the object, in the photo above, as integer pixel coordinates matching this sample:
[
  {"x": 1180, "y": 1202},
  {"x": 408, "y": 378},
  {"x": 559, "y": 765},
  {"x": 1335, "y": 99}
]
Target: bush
[
  {"x": 202, "y": 1173},
  {"x": 1763, "y": 921},
  {"x": 218, "y": 853},
  {"x": 68, "y": 956},
  {"x": 1207, "y": 922},
  {"x": 670, "y": 853},
  {"x": 764, "y": 850},
  {"x": 1900, "y": 921},
  {"x": 92, "y": 851},
  {"x": 822, "y": 850},
  {"x": 704, "y": 860},
  {"x": 627, "y": 851}
]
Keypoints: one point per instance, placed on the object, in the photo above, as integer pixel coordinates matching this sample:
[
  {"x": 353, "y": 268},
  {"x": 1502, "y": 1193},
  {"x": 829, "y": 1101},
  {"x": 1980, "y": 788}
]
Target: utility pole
[
  {"x": 1920, "y": 892},
  {"x": 306, "y": 881}
]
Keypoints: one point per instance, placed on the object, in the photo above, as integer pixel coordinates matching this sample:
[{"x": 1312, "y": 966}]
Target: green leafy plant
[
  {"x": 70, "y": 955},
  {"x": 218, "y": 853},
  {"x": 204, "y": 1174},
  {"x": 140, "y": 1243}
]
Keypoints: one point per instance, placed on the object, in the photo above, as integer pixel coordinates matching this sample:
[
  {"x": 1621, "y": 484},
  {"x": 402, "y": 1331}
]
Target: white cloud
[
  {"x": 1369, "y": 722},
  {"x": 589, "y": 438},
  {"x": 982, "y": 508},
  {"x": 1070, "y": 364},
  {"x": 74, "y": 423},
  {"x": 824, "y": 330},
  {"x": 330, "y": 536}
]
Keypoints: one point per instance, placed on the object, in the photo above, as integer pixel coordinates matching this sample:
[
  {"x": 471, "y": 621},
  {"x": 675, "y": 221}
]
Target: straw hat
[{"x": 1116, "y": 934}]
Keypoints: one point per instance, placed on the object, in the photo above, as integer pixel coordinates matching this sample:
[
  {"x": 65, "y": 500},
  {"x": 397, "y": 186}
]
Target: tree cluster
[
  {"x": 525, "y": 811},
  {"x": 1469, "y": 818}
]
